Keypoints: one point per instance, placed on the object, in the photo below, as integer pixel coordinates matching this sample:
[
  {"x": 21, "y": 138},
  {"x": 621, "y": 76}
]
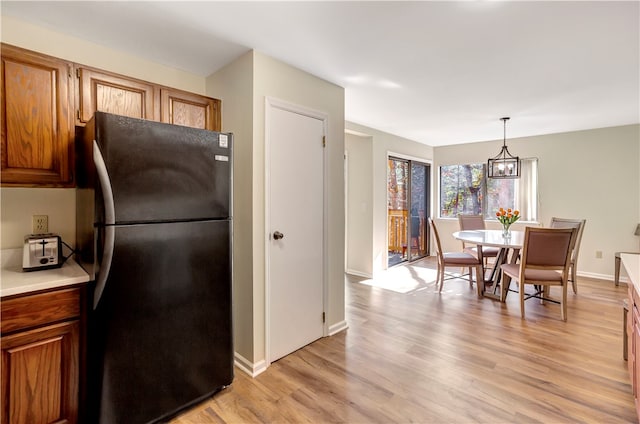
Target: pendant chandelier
[{"x": 504, "y": 165}]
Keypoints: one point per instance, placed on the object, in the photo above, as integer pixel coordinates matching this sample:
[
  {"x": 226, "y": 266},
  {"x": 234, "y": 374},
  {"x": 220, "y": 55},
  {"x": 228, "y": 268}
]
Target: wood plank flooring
[{"x": 413, "y": 355}]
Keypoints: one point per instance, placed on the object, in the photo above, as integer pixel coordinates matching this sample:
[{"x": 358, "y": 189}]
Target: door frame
[{"x": 270, "y": 104}]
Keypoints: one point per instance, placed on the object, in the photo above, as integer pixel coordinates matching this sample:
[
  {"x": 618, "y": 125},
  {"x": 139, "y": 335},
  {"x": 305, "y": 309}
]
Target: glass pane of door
[
  {"x": 397, "y": 202},
  {"x": 418, "y": 246}
]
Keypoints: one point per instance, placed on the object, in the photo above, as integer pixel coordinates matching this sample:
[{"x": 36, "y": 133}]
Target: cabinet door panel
[
  {"x": 105, "y": 92},
  {"x": 37, "y": 127},
  {"x": 191, "y": 110},
  {"x": 40, "y": 375}
]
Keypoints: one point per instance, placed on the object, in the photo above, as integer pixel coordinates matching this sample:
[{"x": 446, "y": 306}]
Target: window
[{"x": 466, "y": 189}]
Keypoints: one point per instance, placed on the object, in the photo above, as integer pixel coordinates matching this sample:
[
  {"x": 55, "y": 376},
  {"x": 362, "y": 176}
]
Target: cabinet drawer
[{"x": 39, "y": 309}]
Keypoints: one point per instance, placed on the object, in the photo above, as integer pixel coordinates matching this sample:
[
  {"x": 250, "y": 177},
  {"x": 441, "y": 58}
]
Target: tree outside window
[{"x": 465, "y": 189}]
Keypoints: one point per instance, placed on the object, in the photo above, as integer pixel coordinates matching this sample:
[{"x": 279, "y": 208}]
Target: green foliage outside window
[{"x": 465, "y": 189}]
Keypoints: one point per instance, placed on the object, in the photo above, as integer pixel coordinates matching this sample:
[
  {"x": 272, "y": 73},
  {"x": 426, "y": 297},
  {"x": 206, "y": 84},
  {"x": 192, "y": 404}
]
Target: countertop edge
[
  {"x": 14, "y": 281},
  {"x": 631, "y": 263}
]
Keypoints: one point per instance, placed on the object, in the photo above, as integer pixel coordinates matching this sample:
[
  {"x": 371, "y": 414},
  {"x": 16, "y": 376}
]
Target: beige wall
[
  {"x": 28, "y": 36},
  {"x": 18, "y": 204},
  {"x": 385, "y": 144},
  {"x": 591, "y": 174},
  {"x": 234, "y": 86},
  {"x": 359, "y": 231}
]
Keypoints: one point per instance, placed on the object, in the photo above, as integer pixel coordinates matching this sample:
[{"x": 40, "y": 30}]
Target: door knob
[{"x": 278, "y": 235}]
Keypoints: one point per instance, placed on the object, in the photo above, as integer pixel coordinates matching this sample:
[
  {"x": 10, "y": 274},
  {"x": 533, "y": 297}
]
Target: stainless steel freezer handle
[{"x": 109, "y": 220}]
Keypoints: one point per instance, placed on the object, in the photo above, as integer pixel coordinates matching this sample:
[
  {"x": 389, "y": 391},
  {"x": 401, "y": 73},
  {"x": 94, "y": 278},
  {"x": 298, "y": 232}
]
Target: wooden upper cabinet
[
  {"x": 107, "y": 92},
  {"x": 188, "y": 109},
  {"x": 43, "y": 98},
  {"x": 37, "y": 137}
]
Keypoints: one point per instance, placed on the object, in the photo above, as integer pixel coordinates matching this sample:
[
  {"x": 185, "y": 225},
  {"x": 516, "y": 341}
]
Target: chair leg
[
  {"x": 504, "y": 286},
  {"x": 441, "y": 280},
  {"x": 479, "y": 280},
  {"x": 521, "y": 289},
  {"x": 574, "y": 282},
  {"x": 563, "y": 306},
  {"x": 470, "y": 277}
]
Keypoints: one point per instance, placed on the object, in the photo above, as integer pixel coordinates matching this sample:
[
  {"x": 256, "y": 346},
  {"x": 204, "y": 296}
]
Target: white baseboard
[
  {"x": 606, "y": 277},
  {"x": 249, "y": 367},
  {"x": 359, "y": 273},
  {"x": 338, "y": 327}
]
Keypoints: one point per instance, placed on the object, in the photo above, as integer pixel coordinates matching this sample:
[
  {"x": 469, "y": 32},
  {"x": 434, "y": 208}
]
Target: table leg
[
  {"x": 480, "y": 281},
  {"x": 494, "y": 277},
  {"x": 507, "y": 280}
]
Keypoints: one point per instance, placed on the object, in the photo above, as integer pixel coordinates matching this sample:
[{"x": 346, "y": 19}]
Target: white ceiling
[{"x": 435, "y": 72}]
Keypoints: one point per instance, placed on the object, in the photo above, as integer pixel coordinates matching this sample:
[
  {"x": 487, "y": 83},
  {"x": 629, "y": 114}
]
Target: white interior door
[{"x": 295, "y": 211}]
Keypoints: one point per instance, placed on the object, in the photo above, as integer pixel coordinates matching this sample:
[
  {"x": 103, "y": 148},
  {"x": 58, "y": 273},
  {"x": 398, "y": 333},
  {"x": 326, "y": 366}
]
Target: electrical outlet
[
  {"x": 598, "y": 254},
  {"x": 40, "y": 224}
]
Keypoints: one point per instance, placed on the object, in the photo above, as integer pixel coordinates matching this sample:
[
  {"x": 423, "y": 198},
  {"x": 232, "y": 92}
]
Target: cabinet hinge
[
  {"x": 324, "y": 141},
  {"x": 323, "y": 317},
  {"x": 78, "y": 72},
  {"x": 69, "y": 70},
  {"x": 78, "y": 114}
]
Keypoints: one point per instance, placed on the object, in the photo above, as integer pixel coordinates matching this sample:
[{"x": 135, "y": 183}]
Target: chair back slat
[
  {"x": 578, "y": 224},
  {"x": 548, "y": 249},
  {"x": 436, "y": 237},
  {"x": 471, "y": 222}
]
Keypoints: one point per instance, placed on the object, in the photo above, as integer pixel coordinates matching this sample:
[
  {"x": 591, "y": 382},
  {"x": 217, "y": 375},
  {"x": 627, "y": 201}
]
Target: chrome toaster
[{"x": 42, "y": 251}]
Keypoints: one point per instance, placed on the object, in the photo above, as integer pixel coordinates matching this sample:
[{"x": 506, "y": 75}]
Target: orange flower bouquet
[{"x": 506, "y": 218}]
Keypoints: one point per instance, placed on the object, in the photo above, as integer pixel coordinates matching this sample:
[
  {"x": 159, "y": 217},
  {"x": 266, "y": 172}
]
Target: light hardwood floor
[{"x": 419, "y": 356}]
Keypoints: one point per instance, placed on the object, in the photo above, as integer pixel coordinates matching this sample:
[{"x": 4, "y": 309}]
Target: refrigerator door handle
[
  {"x": 109, "y": 220},
  {"x": 105, "y": 184},
  {"x": 105, "y": 266}
]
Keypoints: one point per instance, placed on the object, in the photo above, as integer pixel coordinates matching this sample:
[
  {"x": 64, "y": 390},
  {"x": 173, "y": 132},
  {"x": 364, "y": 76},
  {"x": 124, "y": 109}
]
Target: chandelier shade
[{"x": 504, "y": 165}]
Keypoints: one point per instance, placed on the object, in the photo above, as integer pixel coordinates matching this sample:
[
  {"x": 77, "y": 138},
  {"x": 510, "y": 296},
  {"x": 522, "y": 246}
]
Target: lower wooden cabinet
[
  {"x": 41, "y": 358},
  {"x": 40, "y": 375},
  {"x": 633, "y": 344}
]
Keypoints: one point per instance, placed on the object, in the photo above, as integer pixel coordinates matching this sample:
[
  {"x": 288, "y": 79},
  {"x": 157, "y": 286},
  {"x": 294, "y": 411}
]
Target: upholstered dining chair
[
  {"x": 545, "y": 262},
  {"x": 456, "y": 260},
  {"x": 579, "y": 225},
  {"x": 476, "y": 222}
]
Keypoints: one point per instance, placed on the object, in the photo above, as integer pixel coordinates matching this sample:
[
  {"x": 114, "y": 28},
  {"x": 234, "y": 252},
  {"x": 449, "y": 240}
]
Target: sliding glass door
[
  {"x": 407, "y": 210},
  {"x": 419, "y": 207}
]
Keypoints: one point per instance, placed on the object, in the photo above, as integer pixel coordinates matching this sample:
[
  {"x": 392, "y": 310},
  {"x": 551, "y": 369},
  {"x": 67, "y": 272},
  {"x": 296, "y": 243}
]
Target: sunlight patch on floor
[{"x": 404, "y": 279}]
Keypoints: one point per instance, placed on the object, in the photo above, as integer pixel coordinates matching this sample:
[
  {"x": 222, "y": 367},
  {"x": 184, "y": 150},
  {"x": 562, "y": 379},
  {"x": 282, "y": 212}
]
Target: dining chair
[
  {"x": 476, "y": 222},
  {"x": 579, "y": 225},
  {"x": 456, "y": 260},
  {"x": 545, "y": 262}
]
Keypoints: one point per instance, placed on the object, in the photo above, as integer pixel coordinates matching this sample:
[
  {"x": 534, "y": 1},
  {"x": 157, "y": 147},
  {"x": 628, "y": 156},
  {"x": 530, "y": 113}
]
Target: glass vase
[{"x": 506, "y": 231}]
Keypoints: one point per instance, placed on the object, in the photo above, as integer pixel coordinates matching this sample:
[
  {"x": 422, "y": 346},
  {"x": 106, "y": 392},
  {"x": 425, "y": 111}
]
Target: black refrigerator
[{"x": 154, "y": 233}]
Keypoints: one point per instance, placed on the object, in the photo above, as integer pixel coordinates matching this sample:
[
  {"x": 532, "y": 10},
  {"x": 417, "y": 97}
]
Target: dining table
[{"x": 509, "y": 252}]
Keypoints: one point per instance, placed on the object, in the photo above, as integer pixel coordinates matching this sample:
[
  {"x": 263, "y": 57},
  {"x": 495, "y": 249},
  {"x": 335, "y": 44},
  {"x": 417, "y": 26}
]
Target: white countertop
[
  {"x": 13, "y": 280},
  {"x": 631, "y": 263}
]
